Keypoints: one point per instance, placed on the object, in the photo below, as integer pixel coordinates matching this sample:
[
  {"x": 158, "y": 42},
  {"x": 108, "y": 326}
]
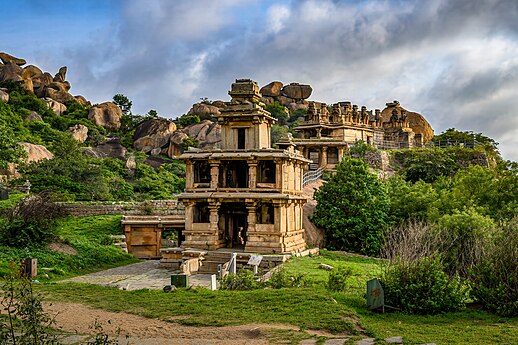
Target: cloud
[{"x": 456, "y": 62}]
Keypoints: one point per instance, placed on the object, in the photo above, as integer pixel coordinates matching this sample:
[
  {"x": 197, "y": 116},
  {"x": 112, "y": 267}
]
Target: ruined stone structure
[
  {"x": 244, "y": 195},
  {"x": 327, "y": 131}
]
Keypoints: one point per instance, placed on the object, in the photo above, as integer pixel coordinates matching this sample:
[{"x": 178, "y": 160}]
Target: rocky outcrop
[
  {"x": 34, "y": 80},
  {"x": 83, "y": 101},
  {"x": 11, "y": 71},
  {"x": 153, "y": 134},
  {"x": 297, "y": 91},
  {"x": 107, "y": 115},
  {"x": 111, "y": 148},
  {"x": 204, "y": 110},
  {"x": 58, "y": 108},
  {"x": 34, "y": 116},
  {"x": 272, "y": 90},
  {"x": 36, "y": 153},
  {"x": 416, "y": 121},
  {"x": 6, "y": 58},
  {"x": 4, "y": 96},
  {"x": 207, "y": 133},
  {"x": 79, "y": 132}
]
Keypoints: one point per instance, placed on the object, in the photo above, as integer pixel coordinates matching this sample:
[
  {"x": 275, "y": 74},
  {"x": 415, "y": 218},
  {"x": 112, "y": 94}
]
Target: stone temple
[{"x": 244, "y": 195}]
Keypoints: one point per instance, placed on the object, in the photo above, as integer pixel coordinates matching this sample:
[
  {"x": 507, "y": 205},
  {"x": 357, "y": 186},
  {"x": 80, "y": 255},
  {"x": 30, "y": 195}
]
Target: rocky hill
[{"x": 104, "y": 131}]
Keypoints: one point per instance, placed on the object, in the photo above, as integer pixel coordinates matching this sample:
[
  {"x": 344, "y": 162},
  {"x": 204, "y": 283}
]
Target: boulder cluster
[
  {"x": 156, "y": 136},
  {"x": 293, "y": 96}
]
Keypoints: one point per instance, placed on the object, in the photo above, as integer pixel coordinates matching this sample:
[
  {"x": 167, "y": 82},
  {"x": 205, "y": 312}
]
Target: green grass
[
  {"x": 312, "y": 307},
  {"x": 89, "y": 236}
]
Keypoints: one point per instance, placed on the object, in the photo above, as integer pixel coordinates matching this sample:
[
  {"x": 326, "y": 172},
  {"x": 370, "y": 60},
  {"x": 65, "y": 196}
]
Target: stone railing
[
  {"x": 311, "y": 176},
  {"x": 148, "y": 207}
]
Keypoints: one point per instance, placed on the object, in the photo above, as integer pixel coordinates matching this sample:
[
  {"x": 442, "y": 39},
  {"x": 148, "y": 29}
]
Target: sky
[{"x": 455, "y": 62}]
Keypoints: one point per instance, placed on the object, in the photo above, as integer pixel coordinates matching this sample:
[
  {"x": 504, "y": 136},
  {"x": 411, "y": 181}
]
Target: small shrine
[{"x": 245, "y": 195}]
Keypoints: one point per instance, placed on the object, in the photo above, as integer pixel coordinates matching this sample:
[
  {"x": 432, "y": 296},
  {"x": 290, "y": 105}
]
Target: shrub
[
  {"x": 422, "y": 287},
  {"x": 242, "y": 280},
  {"x": 188, "y": 142},
  {"x": 352, "y": 207},
  {"x": 187, "y": 120},
  {"x": 495, "y": 278},
  {"x": 281, "y": 279},
  {"x": 337, "y": 280},
  {"x": 30, "y": 222},
  {"x": 411, "y": 241},
  {"x": 464, "y": 238},
  {"x": 26, "y": 322}
]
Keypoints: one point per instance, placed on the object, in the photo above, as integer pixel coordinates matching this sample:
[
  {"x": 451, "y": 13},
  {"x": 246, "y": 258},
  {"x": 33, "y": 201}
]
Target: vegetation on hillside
[{"x": 73, "y": 175}]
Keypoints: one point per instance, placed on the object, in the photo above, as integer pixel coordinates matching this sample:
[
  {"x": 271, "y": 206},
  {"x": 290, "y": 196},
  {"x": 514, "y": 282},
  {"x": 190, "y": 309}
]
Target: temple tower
[{"x": 245, "y": 195}]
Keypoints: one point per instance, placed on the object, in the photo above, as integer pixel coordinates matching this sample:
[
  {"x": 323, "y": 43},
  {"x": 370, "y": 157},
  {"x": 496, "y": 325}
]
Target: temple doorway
[{"x": 233, "y": 224}]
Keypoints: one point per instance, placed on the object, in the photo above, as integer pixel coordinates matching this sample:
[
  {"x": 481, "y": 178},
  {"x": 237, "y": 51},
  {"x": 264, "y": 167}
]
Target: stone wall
[{"x": 148, "y": 207}]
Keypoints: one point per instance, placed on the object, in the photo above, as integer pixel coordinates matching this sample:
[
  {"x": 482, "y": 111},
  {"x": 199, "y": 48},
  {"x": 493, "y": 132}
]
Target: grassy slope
[
  {"x": 88, "y": 236},
  {"x": 313, "y": 307}
]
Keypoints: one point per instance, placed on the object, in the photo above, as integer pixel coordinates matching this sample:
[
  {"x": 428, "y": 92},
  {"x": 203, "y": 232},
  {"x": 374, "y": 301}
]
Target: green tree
[
  {"x": 353, "y": 208},
  {"x": 123, "y": 102},
  {"x": 279, "y": 111}
]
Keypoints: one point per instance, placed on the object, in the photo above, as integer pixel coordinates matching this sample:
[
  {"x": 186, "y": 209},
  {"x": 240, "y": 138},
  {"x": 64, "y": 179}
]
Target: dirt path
[{"x": 78, "y": 318}]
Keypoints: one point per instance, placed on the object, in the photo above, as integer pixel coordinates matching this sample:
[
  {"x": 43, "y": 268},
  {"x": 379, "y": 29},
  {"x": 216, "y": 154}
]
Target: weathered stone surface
[
  {"x": 131, "y": 163},
  {"x": 36, "y": 153},
  {"x": 11, "y": 71},
  {"x": 219, "y": 104},
  {"x": 207, "y": 133},
  {"x": 416, "y": 121},
  {"x": 394, "y": 340},
  {"x": 297, "y": 106},
  {"x": 6, "y": 58},
  {"x": 31, "y": 71},
  {"x": 58, "y": 95},
  {"x": 79, "y": 132},
  {"x": 34, "y": 116},
  {"x": 59, "y": 108},
  {"x": 4, "y": 96},
  {"x": 325, "y": 267},
  {"x": 286, "y": 101},
  {"x": 28, "y": 86},
  {"x": 83, "y": 101},
  {"x": 203, "y": 110},
  {"x": 107, "y": 115},
  {"x": 272, "y": 90},
  {"x": 297, "y": 91},
  {"x": 174, "y": 148},
  {"x": 61, "y": 75},
  {"x": 41, "y": 81},
  {"x": 152, "y": 134},
  {"x": 111, "y": 148},
  {"x": 267, "y": 100}
]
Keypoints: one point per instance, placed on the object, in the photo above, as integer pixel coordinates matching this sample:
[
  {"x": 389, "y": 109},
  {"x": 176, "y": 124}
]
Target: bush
[
  {"x": 242, "y": 280},
  {"x": 187, "y": 120},
  {"x": 352, "y": 207},
  {"x": 464, "y": 238},
  {"x": 337, "y": 280},
  {"x": 422, "y": 287},
  {"x": 30, "y": 222},
  {"x": 495, "y": 278},
  {"x": 281, "y": 279}
]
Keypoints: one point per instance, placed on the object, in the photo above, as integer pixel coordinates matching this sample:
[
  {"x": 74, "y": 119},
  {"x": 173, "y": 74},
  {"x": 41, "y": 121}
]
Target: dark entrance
[{"x": 233, "y": 224}]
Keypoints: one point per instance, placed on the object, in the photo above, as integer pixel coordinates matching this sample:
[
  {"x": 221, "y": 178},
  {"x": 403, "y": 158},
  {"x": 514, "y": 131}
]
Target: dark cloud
[{"x": 453, "y": 61}]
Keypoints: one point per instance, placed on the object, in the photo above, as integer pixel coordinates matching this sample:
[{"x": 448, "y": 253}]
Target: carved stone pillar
[
  {"x": 323, "y": 156},
  {"x": 189, "y": 174},
  {"x": 214, "y": 174},
  {"x": 279, "y": 173},
  {"x": 251, "y": 217},
  {"x": 214, "y": 217},
  {"x": 319, "y": 132},
  {"x": 340, "y": 153},
  {"x": 252, "y": 174}
]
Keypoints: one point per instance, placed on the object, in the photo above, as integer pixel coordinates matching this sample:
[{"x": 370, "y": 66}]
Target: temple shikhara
[{"x": 245, "y": 194}]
